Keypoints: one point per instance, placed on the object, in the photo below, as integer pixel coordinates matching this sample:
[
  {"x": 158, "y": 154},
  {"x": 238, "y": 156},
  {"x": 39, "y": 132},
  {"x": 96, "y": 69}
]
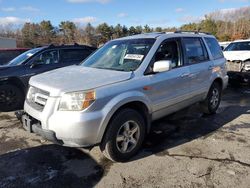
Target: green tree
[
  {"x": 46, "y": 32},
  {"x": 147, "y": 29},
  {"x": 30, "y": 35},
  {"x": 89, "y": 35},
  {"x": 69, "y": 31},
  {"x": 158, "y": 29},
  {"x": 105, "y": 33}
]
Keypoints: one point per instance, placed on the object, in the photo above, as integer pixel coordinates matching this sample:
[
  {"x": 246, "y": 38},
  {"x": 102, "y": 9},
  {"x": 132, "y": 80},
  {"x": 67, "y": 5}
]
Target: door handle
[{"x": 185, "y": 75}]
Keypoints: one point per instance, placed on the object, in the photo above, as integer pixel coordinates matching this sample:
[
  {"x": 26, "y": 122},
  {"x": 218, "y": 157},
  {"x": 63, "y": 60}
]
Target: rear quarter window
[{"x": 214, "y": 48}]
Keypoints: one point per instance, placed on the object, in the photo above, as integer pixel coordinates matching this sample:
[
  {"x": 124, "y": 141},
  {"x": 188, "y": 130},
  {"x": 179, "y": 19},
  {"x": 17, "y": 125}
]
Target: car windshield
[
  {"x": 120, "y": 55},
  {"x": 238, "y": 46},
  {"x": 23, "y": 57}
]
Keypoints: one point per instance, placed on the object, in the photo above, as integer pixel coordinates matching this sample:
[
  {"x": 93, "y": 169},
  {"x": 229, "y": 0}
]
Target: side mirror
[
  {"x": 162, "y": 66},
  {"x": 36, "y": 63}
]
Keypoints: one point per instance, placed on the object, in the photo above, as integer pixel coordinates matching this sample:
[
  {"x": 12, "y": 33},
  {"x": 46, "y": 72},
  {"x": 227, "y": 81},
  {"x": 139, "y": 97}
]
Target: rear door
[{"x": 200, "y": 65}]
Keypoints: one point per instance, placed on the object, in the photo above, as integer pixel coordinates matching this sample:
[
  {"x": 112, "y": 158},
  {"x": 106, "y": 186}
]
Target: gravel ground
[{"x": 187, "y": 149}]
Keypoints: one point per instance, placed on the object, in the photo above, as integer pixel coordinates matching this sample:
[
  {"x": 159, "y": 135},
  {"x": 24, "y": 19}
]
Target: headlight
[{"x": 76, "y": 101}]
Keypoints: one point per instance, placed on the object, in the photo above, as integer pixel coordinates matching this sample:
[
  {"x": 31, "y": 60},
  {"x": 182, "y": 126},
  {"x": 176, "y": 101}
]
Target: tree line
[{"x": 43, "y": 33}]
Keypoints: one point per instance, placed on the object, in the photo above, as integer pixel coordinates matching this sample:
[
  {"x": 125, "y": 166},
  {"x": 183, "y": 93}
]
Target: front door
[{"x": 170, "y": 89}]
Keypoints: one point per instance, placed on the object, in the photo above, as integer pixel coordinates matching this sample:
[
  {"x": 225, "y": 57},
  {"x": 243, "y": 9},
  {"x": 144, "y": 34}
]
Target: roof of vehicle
[
  {"x": 169, "y": 34},
  {"x": 69, "y": 46},
  {"x": 242, "y": 40}
]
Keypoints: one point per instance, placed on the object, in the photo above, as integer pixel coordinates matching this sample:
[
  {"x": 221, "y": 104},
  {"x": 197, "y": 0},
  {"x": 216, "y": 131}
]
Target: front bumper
[
  {"x": 73, "y": 129},
  {"x": 34, "y": 126}
]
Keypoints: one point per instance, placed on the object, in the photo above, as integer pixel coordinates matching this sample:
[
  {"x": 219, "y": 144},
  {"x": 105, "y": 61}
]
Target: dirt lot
[{"x": 185, "y": 150}]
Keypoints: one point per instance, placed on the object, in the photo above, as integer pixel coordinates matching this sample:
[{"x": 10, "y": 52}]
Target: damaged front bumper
[{"x": 238, "y": 71}]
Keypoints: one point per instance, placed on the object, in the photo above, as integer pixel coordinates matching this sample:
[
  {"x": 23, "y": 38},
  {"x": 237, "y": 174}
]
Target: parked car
[
  {"x": 14, "y": 76},
  {"x": 238, "y": 61},
  {"x": 111, "y": 99},
  {"x": 7, "y": 54}
]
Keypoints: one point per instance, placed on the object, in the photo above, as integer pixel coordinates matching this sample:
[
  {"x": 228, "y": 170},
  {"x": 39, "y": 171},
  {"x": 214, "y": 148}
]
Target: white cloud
[
  {"x": 190, "y": 18},
  {"x": 12, "y": 21},
  {"x": 179, "y": 10},
  {"x": 8, "y": 9},
  {"x": 89, "y": 1},
  {"x": 84, "y": 20},
  {"x": 29, "y": 9},
  {"x": 122, "y": 15}
]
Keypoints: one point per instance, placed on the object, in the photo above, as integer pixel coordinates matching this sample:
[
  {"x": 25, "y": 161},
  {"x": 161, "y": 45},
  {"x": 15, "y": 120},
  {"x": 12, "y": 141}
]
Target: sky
[{"x": 162, "y": 13}]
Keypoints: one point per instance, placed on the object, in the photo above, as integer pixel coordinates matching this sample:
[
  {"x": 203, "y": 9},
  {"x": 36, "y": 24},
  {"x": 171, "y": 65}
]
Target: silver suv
[{"x": 111, "y": 99}]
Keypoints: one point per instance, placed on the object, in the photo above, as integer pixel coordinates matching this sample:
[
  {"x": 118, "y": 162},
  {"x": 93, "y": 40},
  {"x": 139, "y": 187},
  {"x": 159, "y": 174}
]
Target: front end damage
[{"x": 239, "y": 71}]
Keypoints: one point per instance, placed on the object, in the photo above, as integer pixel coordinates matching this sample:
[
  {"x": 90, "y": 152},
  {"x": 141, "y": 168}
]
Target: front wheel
[
  {"x": 124, "y": 136},
  {"x": 212, "y": 101},
  {"x": 11, "y": 98}
]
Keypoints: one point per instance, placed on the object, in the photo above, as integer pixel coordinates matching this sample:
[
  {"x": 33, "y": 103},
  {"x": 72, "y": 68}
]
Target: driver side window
[
  {"x": 169, "y": 50},
  {"x": 47, "y": 57}
]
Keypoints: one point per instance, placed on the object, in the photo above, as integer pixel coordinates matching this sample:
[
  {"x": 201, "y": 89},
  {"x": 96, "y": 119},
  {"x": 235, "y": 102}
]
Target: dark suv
[
  {"x": 7, "y": 54},
  {"x": 14, "y": 76}
]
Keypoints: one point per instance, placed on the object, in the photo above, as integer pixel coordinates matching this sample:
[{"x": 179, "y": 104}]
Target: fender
[{"x": 113, "y": 105}]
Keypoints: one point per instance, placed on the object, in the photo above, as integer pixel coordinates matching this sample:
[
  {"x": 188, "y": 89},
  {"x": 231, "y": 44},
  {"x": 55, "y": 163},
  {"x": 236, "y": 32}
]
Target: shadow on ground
[
  {"x": 189, "y": 124},
  {"x": 49, "y": 166}
]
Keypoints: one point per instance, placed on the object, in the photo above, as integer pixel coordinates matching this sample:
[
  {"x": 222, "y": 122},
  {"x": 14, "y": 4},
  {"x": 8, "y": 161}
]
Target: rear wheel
[
  {"x": 11, "y": 98},
  {"x": 212, "y": 101},
  {"x": 124, "y": 136}
]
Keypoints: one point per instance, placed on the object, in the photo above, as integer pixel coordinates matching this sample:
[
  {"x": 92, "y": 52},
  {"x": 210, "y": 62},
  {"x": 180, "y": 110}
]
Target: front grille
[
  {"x": 235, "y": 66},
  {"x": 37, "y": 98}
]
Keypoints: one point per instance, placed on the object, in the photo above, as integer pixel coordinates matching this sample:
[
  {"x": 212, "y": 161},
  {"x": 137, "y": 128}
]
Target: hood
[
  {"x": 76, "y": 78},
  {"x": 237, "y": 55},
  {"x": 2, "y": 67}
]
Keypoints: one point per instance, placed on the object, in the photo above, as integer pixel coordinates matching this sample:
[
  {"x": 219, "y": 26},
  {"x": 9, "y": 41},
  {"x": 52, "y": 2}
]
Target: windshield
[
  {"x": 238, "y": 46},
  {"x": 120, "y": 55},
  {"x": 23, "y": 57}
]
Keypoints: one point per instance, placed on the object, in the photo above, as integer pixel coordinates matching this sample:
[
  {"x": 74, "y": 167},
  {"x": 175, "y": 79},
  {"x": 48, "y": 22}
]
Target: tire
[
  {"x": 120, "y": 143},
  {"x": 11, "y": 98},
  {"x": 212, "y": 101}
]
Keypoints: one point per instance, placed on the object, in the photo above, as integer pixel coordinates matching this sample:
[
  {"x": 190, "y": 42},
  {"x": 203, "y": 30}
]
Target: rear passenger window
[
  {"x": 195, "y": 50},
  {"x": 214, "y": 48},
  {"x": 74, "y": 54}
]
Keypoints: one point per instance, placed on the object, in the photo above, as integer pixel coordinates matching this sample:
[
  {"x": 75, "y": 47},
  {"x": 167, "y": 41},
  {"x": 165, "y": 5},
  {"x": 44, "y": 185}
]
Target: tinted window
[
  {"x": 169, "y": 51},
  {"x": 47, "y": 57},
  {"x": 24, "y": 56},
  {"x": 195, "y": 50},
  {"x": 74, "y": 54},
  {"x": 238, "y": 46},
  {"x": 214, "y": 48}
]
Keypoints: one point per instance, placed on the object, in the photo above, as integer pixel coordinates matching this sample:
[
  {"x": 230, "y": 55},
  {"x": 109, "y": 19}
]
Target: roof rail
[
  {"x": 153, "y": 33},
  {"x": 194, "y": 32}
]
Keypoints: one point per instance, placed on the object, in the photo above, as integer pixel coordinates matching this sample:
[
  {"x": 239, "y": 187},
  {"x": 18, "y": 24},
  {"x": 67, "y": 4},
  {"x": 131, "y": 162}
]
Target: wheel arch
[
  {"x": 135, "y": 103},
  {"x": 14, "y": 81}
]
